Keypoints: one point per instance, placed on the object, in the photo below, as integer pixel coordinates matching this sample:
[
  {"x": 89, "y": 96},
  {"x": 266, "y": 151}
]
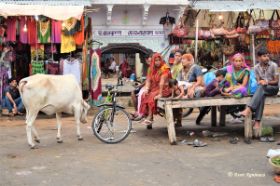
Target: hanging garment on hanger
[
  {"x": 85, "y": 69},
  {"x": 31, "y": 30},
  {"x": 52, "y": 67},
  {"x": 67, "y": 44},
  {"x": 73, "y": 67},
  {"x": 79, "y": 36},
  {"x": 37, "y": 67},
  {"x": 71, "y": 26},
  {"x": 37, "y": 50},
  {"x": 56, "y": 31},
  {"x": 95, "y": 76},
  {"x": 11, "y": 29},
  {"x": 44, "y": 31},
  {"x": 23, "y": 36}
]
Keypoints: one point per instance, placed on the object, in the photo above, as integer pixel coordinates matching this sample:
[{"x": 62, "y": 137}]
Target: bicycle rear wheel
[{"x": 111, "y": 127}]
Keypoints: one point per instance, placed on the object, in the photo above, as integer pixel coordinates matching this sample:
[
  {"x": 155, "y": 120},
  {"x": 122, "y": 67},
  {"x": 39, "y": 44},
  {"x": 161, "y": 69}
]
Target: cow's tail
[{"x": 21, "y": 85}]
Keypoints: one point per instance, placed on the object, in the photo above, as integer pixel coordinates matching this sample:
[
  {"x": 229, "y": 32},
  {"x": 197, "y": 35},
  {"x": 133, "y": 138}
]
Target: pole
[
  {"x": 253, "y": 49},
  {"x": 196, "y": 41}
]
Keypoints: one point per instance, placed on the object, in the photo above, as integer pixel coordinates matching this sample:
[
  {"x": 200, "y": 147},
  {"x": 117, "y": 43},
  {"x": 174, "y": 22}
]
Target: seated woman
[
  {"x": 156, "y": 87},
  {"x": 237, "y": 77},
  {"x": 191, "y": 77}
]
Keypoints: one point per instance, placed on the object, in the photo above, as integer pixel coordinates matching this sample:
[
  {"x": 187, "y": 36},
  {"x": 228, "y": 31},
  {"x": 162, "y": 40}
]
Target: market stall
[
  {"x": 223, "y": 28},
  {"x": 49, "y": 37}
]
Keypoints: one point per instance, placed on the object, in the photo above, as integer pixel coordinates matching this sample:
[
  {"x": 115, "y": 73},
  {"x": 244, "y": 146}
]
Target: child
[
  {"x": 213, "y": 88},
  {"x": 177, "y": 91}
]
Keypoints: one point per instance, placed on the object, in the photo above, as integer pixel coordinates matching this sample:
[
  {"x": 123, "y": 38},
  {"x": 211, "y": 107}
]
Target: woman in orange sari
[{"x": 156, "y": 87}]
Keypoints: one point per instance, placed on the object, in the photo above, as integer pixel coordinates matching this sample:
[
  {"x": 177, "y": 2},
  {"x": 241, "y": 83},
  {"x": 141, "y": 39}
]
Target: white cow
[{"x": 52, "y": 94}]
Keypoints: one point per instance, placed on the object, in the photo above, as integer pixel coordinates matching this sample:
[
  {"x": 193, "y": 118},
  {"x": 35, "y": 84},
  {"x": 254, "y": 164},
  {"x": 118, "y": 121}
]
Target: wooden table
[{"x": 168, "y": 104}]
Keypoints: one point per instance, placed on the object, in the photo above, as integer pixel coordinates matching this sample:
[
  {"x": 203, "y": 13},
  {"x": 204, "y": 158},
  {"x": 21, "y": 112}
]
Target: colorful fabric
[
  {"x": 23, "y": 36},
  {"x": 154, "y": 76},
  {"x": 31, "y": 30},
  {"x": 235, "y": 80},
  {"x": 11, "y": 29},
  {"x": 37, "y": 67},
  {"x": 44, "y": 31},
  {"x": 56, "y": 31},
  {"x": 67, "y": 44},
  {"x": 71, "y": 26},
  {"x": 95, "y": 76},
  {"x": 79, "y": 36},
  {"x": 37, "y": 52}
]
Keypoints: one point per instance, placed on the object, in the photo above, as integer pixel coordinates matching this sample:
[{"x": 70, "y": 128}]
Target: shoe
[
  {"x": 138, "y": 118},
  {"x": 236, "y": 120},
  {"x": 233, "y": 140},
  {"x": 19, "y": 113},
  {"x": 247, "y": 140}
]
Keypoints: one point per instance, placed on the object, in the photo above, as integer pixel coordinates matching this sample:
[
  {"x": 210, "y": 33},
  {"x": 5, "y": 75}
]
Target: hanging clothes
[
  {"x": 85, "y": 68},
  {"x": 23, "y": 36},
  {"x": 31, "y": 30},
  {"x": 44, "y": 31},
  {"x": 11, "y": 29},
  {"x": 79, "y": 36},
  {"x": 37, "y": 67},
  {"x": 72, "y": 66},
  {"x": 37, "y": 50},
  {"x": 52, "y": 67},
  {"x": 67, "y": 44},
  {"x": 71, "y": 26},
  {"x": 56, "y": 31},
  {"x": 95, "y": 76}
]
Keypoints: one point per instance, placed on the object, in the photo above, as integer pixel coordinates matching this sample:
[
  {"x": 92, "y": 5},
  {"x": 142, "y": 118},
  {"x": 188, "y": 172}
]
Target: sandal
[
  {"x": 19, "y": 113},
  {"x": 146, "y": 122}
]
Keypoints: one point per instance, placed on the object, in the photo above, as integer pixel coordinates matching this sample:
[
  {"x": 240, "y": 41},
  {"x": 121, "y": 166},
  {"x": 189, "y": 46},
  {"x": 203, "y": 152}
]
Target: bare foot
[
  {"x": 257, "y": 125},
  {"x": 246, "y": 112}
]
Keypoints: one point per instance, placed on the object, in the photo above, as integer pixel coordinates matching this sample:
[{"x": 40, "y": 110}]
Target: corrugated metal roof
[{"x": 49, "y": 2}]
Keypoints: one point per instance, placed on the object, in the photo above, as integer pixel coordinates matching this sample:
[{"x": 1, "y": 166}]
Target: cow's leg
[
  {"x": 58, "y": 120},
  {"x": 36, "y": 136},
  {"x": 29, "y": 125},
  {"x": 77, "y": 114}
]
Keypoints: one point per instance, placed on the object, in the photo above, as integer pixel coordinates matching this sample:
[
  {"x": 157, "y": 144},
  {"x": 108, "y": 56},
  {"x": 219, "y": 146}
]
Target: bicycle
[{"x": 112, "y": 123}]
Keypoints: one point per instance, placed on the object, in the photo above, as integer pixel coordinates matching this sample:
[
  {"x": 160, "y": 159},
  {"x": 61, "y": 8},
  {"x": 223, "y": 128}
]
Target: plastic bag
[{"x": 253, "y": 84}]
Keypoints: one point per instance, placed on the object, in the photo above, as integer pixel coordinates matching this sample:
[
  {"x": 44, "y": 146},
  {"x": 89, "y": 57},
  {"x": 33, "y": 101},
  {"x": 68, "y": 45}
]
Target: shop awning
[
  {"x": 59, "y": 10},
  {"x": 237, "y": 6}
]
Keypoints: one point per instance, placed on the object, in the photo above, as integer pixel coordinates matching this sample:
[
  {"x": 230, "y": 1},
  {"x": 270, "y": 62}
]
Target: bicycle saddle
[{"x": 109, "y": 87}]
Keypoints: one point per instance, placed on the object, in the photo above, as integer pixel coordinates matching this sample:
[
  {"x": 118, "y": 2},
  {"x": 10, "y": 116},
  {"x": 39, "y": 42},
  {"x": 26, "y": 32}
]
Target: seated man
[{"x": 12, "y": 98}]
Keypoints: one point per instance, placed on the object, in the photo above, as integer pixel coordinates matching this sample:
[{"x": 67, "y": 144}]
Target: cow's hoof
[
  {"x": 33, "y": 147},
  {"x": 60, "y": 141},
  {"x": 37, "y": 140},
  {"x": 80, "y": 138}
]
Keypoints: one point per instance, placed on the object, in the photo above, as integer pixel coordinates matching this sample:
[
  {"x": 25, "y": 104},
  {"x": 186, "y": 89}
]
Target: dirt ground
[{"x": 144, "y": 158}]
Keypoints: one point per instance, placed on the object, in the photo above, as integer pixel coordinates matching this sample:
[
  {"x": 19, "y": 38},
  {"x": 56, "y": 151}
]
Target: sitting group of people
[{"x": 184, "y": 79}]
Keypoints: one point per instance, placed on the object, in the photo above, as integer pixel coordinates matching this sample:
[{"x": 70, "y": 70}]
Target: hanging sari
[
  {"x": 154, "y": 76},
  {"x": 235, "y": 79}
]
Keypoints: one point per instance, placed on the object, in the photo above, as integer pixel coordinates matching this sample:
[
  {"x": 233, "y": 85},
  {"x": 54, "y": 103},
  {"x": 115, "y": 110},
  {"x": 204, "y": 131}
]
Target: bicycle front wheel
[{"x": 111, "y": 127}]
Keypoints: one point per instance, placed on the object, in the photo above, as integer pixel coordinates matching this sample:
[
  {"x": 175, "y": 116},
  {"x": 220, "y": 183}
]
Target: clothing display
[
  {"x": 37, "y": 67},
  {"x": 72, "y": 66},
  {"x": 71, "y": 26},
  {"x": 79, "y": 36},
  {"x": 23, "y": 35},
  {"x": 52, "y": 67},
  {"x": 67, "y": 44},
  {"x": 56, "y": 31},
  {"x": 11, "y": 29},
  {"x": 32, "y": 30},
  {"x": 44, "y": 31},
  {"x": 95, "y": 76}
]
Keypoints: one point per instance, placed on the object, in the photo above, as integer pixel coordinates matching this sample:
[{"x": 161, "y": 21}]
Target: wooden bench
[{"x": 168, "y": 104}]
